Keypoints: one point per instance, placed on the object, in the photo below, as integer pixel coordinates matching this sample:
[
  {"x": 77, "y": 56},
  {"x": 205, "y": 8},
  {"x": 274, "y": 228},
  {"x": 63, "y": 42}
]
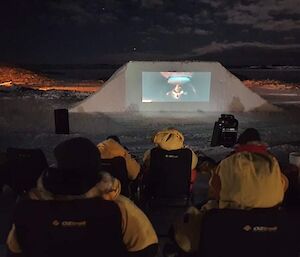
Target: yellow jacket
[
  {"x": 137, "y": 230},
  {"x": 244, "y": 180},
  {"x": 169, "y": 139},
  {"x": 250, "y": 180},
  {"x": 110, "y": 149}
]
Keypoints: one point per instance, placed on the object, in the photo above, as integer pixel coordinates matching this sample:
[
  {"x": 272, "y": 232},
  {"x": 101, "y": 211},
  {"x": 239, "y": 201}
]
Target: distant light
[{"x": 134, "y": 49}]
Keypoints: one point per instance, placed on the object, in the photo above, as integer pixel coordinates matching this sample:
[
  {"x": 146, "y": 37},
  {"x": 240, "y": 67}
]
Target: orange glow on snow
[{"x": 68, "y": 88}]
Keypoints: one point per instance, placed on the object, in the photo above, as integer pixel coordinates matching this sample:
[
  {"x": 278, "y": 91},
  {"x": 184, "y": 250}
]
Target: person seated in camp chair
[
  {"x": 206, "y": 166},
  {"x": 250, "y": 177},
  {"x": 112, "y": 147},
  {"x": 169, "y": 139},
  {"x": 76, "y": 180}
]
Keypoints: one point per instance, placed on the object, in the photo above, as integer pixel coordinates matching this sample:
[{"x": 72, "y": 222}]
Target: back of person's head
[
  {"x": 249, "y": 135},
  {"x": 169, "y": 139},
  {"x": 114, "y": 137},
  {"x": 78, "y": 163}
]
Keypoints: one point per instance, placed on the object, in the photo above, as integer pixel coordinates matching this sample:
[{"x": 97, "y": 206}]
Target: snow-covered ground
[{"x": 27, "y": 120}]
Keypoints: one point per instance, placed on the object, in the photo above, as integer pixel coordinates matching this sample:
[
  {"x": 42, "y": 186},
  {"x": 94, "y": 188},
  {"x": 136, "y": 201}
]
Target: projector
[{"x": 225, "y": 131}]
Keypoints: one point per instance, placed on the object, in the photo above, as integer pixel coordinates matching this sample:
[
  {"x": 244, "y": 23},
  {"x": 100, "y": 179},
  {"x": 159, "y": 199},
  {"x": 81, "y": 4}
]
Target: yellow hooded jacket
[
  {"x": 250, "y": 180},
  {"x": 243, "y": 180},
  {"x": 169, "y": 139},
  {"x": 138, "y": 232},
  {"x": 110, "y": 149}
]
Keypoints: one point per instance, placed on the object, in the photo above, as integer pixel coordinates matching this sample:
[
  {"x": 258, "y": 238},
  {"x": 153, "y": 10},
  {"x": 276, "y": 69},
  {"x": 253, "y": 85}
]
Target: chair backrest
[
  {"x": 292, "y": 195},
  {"x": 117, "y": 168},
  {"x": 170, "y": 173},
  {"x": 257, "y": 232},
  {"x": 86, "y": 227},
  {"x": 25, "y": 167}
]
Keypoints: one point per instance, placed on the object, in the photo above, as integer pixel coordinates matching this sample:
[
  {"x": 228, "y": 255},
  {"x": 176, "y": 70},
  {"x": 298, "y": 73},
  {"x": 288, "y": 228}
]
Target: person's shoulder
[
  {"x": 126, "y": 206},
  {"x": 123, "y": 201}
]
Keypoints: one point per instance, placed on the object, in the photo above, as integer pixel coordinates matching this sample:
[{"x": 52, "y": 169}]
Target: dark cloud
[
  {"x": 94, "y": 30},
  {"x": 151, "y": 3},
  {"x": 271, "y": 15},
  {"x": 186, "y": 19},
  {"x": 216, "y": 47},
  {"x": 201, "y": 32}
]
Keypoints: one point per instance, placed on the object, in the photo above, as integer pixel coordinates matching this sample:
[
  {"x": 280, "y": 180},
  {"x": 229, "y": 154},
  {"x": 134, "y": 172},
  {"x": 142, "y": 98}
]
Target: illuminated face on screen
[
  {"x": 176, "y": 80},
  {"x": 175, "y": 86},
  {"x": 176, "y": 92}
]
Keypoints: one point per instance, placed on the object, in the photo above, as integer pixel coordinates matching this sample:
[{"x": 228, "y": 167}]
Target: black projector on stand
[{"x": 225, "y": 131}]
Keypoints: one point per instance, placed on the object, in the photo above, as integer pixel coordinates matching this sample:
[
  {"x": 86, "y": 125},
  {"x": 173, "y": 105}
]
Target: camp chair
[
  {"x": 117, "y": 168},
  {"x": 85, "y": 227},
  {"x": 167, "y": 187},
  {"x": 249, "y": 233},
  {"x": 292, "y": 195},
  {"x": 169, "y": 176},
  {"x": 3, "y": 170},
  {"x": 25, "y": 166}
]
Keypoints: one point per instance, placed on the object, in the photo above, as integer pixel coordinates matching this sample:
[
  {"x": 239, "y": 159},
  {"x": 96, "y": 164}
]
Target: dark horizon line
[{"x": 117, "y": 65}]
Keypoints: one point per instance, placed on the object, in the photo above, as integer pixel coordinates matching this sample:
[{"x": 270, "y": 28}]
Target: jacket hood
[
  {"x": 250, "y": 180},
  {"x": 169, "y": 139},
  {"x": 110, "y": 149}
]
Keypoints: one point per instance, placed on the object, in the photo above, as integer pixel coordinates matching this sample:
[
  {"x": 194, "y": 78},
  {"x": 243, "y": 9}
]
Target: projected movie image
[{"x": 176, "y": 86}]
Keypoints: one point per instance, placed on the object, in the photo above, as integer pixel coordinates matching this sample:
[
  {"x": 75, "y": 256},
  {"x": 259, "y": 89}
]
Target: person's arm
[
  {"x": 13, "y": 246},
  {"x": 133, "y": 167},
  {"x": 193, "y": 167},
  {"x": 194, "y": 160},
  {"x": 186, "y": 230},
  {"x": 215, "y": 183},
  {"x": 139, "y": 236},
  {"x": 146, "y": 160},
  {"x": 285, "y": 182}
]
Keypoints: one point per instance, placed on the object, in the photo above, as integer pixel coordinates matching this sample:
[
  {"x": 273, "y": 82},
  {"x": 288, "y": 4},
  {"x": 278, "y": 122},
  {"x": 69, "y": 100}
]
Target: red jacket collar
[{"x": 253, "y": 148}]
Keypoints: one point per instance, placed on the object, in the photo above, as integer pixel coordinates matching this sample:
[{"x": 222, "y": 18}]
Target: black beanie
[
  {"x": 250, "y": 134},
  {"x": 114, "y": 137},
  {"x": 78, "y": 164}
]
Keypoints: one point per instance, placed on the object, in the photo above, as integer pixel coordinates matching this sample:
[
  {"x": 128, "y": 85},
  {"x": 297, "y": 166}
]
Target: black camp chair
[
  {"x": 169, "y": 176},
  {"x": 117, "y": 168},
  {"x": 167, "y": 187},
  {"x": 249, "y": 233},
  {"x": 24, "y": 168},
  {"x": 86, "y": 227},
  {"x": 292, "y": 195}
]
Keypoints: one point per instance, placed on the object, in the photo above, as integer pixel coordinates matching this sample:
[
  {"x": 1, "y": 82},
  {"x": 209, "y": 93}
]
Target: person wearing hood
[
  {"x": 250, "y": 177},
  {"x": 169, "y": 139},
  {"x": 77, "y": 177},
  {"x": 258, "y": 180},
  {"x": 111, "y": 147}
]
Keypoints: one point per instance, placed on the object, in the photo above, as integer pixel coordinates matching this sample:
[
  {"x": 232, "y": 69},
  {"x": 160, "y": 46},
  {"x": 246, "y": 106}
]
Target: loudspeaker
[{"x": 61, "y": 121}]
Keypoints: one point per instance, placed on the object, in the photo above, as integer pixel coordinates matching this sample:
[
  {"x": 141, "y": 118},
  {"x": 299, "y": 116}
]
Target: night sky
[{"x": 235, "y": 32}]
